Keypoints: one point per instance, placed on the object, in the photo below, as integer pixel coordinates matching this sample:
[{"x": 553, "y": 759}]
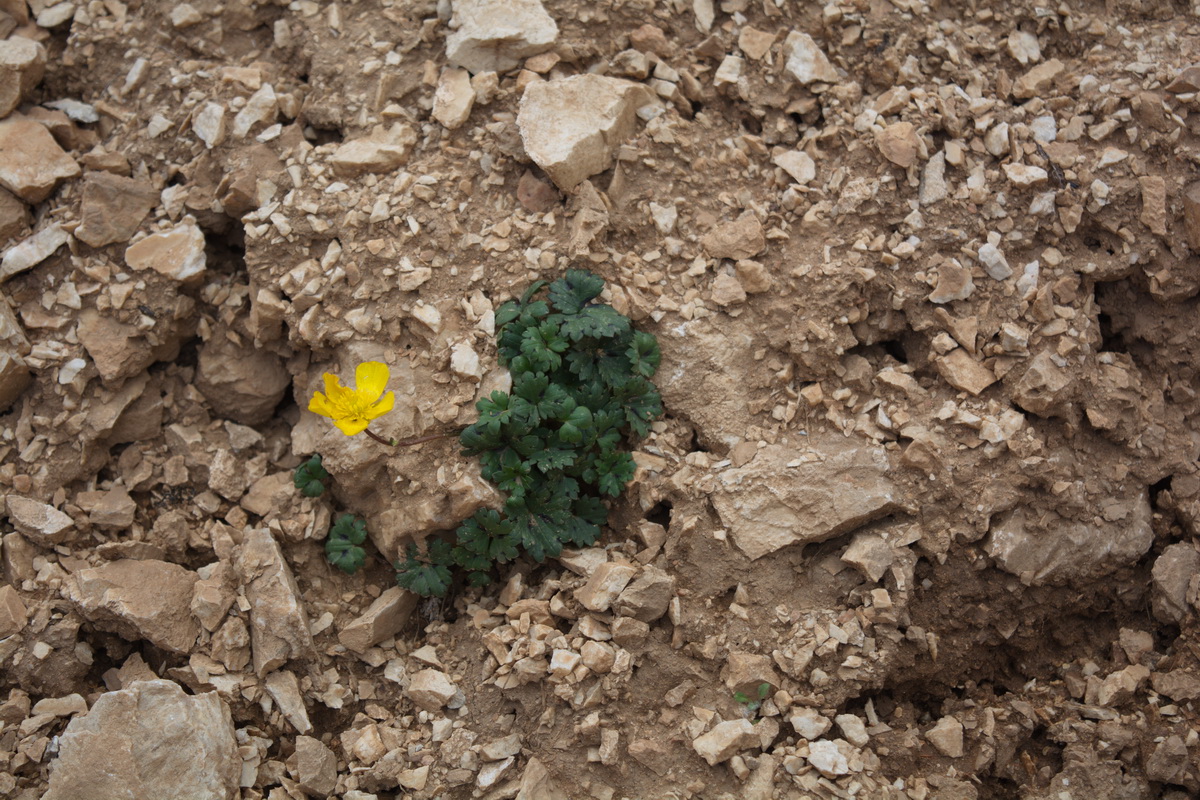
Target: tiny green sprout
[
  {"x": 310, "y": 477},
  {"x": 342, "y": 545},
  {"x": 752, "y": 706}
]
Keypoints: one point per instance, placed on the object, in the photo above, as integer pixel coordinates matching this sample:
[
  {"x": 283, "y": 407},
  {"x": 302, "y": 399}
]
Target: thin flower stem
[{"x": 414, "y": 441}]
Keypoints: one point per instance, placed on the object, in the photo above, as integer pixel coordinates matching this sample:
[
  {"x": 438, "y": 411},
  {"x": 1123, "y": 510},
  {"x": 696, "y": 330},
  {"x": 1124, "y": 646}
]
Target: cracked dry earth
[{"x": 924, "y": 275}]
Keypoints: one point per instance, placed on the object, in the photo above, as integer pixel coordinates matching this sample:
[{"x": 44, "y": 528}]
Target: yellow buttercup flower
[{"x": 352, "y": 409}]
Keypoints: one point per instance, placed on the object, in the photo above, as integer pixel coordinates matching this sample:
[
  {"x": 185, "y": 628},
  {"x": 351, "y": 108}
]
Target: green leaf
[
  {"x": 643, "y": 354},
  {"x": 344, "y": 555},
  {"x": 576, "y": 425},
  {"x": 555, "y": 403},
  {"x": 599, "y": 321},
  {"x": 542, "y": 346},
  {"x": 309, "y": 477},
  {"x": 428, "y": 577},
  {"x": 350, "y": 528},
  {"x": 574, "y": 290},
  {"x": 507, "y": 313},
  {"x": 553, "y": 458},
  {"x": 484, "y": 539},
  {"x": 536, "y": 533},
  {"x": 591, "y": 509}
]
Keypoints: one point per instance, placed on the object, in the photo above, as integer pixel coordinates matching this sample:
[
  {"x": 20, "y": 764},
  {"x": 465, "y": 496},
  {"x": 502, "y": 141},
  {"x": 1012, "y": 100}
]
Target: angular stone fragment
[
  {"x": 870, "y": 555},
  {"x": 806, "y": 62},
  {"x": 648, "y": 596},
  {"x": 808, "y": 723},
  {"x": 993, "y": 261},
  {"x": 260, "y": 109},
  {"x": 1154, "y": 203},
  {"x": 15, "y": 377},
  {"x": 1171, "y": 577},
  {"x": 209, "y": 124},
  {"x": 827, "y": 758},
  {"x": 898, "y": 143},
  {"x": 454, "y": 98},
  {"x": 1168, "y": 762},
  {"x": 114, "y": 510},
  {"x": 604, "y": 586},
  {"x": 963, "y": 372},
  {"x": 947, "y": 737},
  {"x": 382, "y": 151},
  {"x": 494, "y": 35},
  {"x": 572, "y": 127},
  {"x": 177, "y": 253},
  {"x": 953, "y": 283},
  {"x": 316, "y": 767},
  {"x": 13, "y": 613},
  {"x": 1025, "y": 175},
  {"x": 1045, "y": 388},
  {"x": 1191, "y": 216},
  {"x": 727, "y": 291},
  {"x": 22, "y": 64},
  {"x": 278, "y": 625},
  {"x": 933, "y": 180},
  {"x": 1038, "y": 80},
  {"x": 14, "y": 216},
  {"x": 284, "y": 689},
  {"x": 798, "y": 164},
  {"x": 746, "y": 672},
  {"x": 241, "y": 382},
  {"x": 853, "y": 729},
  {"x": 383, "y": 619},
  {"x": 40, "y": 523},
  {"x": 742, "y": 238},
  {"x": 149, "y": 740},
  {"x": 1042, "y": 547},
  {"x": 135, "y": 599},
  {"x": 431, "y": 689},
  {"x": 778, "y": 499},
  {"x": 1024, "y": 47},
  {"x": 112, "y": 208},
  {"x": 33, "y": 251},
  {"x": 31, "y": 162},
  {"x": 725, "y": 740}
]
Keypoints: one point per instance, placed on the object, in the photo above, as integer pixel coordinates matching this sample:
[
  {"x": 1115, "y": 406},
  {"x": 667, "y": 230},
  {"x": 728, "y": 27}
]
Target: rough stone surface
[
  {"x": 604, "y": 586},
  {"x": 808, "y": 723},
  {"x": 316, "y": 767},
  {"x": 648, "y": 596},
  {"x": 13, "y": 613},
  {"x": 738, "y": 239},
  {"x": 431, "y": 689},
  {"x": 33, "y": 251},
  {"x": 384, "y": 150},
  {"x": 113, "y": 207},
  {"x": 1171, "y": 578},
  {"x": 278, "y": 625},
  {"x": 149, "y": 740},
  {"x": 134, "y": 599},
  {"x": 572, "y": 127},
  {"x": 242, "y": 383},
  {"x": 1045, "y": 387},
  {"x": 725, "y": 740},
  {"x": 31, "y": 162},
  {"x": 947, "y": 737},
  {"x": 870, "y": 554},
  {"x": 22, "y": 64},
  {"x": 41, "y": 523},
  {"x": 746, "y": 672},
  {"x": 797, "y": 164},
  {"x": 383, "y": 618},
  {"x": 963, "y": 372},
  {"x": 284, "y": 688},
  {"x": 1046, "y": 548},
  {"x": 806, "y": 61},
  {"x": 827, "y": 758},
  {"x": 454, "y": 98},
  {"x": 768, "y": 504},
  {"x": 494, "y": 35},
  {"x": 1037, "y": 80},
  {"x": 177, "y": 253},
  {"x": 898, "y": 143}
]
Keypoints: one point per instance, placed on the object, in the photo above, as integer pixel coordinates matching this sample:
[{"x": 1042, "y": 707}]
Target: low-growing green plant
[
  {"x": 342, "y": 544},
  {"x": 580, "y": 383},
  {"x": 753, "y": 705},
  {"x": 310, "y": 477}
]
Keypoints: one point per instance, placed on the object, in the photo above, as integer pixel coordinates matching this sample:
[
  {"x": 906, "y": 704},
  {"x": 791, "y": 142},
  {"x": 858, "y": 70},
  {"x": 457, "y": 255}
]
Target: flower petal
[
  {"x": 351, "y": 425},
  {"x": 384, "y": 405},
  {"x": 371, "y": 379},
  {"x": 332, "y": 384},
  {"x": 320, "y": 405}
]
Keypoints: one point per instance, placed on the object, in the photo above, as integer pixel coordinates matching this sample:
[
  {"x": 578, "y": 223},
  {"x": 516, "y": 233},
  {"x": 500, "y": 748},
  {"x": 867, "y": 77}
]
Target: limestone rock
[
  {"x": 572, "y": 127},
  {"x": 537, "y": 195},
  {"x": 454, "y": 98},
  {"x": 383, "y": 618},
  {"x": 278, "y": 625},
  {"x": 953, "y": 283},
  {"x": 746, "y": 672},
  {"x": 870, "y": 555},
  {"x": 431, "y": 689},
  {"x": 947, "y": 737},
  {"x": 1038, "y": 80},
  {"x": 806, "y": 62},
  {"x": 1191, "y": 216},
  {"x": 260, "y": 109},
  {"x": 798, "y": 164},
  {"x": 284, "y": 689},
  {"x": 382, "y": 151},
  {"x": 853, "y": 728},
  {"x": 240, "y": 382},
  {"x": 808, "y": 723},
  {"x": 725, "y": 740},
  {"x": 114, "y": 510},
  {"x": 648, "y": 596},
  {"x": 22, "y": 64},
  {"x": 209, "y": 124},
  {"x": 604, "y": 586},
  {"x": 742, "y": 238},
  {"x": 963, "y": 372},
  {"x": 40, "y": 523},
  {"x": 14, "y": 377},
  {"x": 1025, "y": 175},
  {"x": 177, "y": 253},
  {"x": 1043, "y": 547},
  {"x": 1171, "y": 577},
  {"x": 112, "y": 208},
  {"x": 117, "y": 349},
  {"x": 898, "y": 143},
  {"x": 31, "y": 162},
  {"x": 827, "y": 758},
  {"x": 14, "y": 216},
  {"x": 494, "y": 35},
  {"x": 777, "y": 499},
  {"x": 1169, "y": 760},
  {"x": 1045, "y": 388},
  {"x": 1154, "y": 203},
  {"x": 33, "y": 251},
  {"x": 138, "y": 599},
  {"x": 13, "y": 613},
  {"x": 933, "y": 180},
  {"x": 316, "y": 767},
  {"x": 149, "y": 740},
  {"x": 727, "y": 291}
]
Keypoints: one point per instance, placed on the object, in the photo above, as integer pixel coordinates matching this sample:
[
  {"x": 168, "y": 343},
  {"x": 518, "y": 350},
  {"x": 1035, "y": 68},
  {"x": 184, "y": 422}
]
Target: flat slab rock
[
  {"x": 789, "y": 496},
  {"x": 138, "y": 600},
  {"x": 149, "y": 740}
]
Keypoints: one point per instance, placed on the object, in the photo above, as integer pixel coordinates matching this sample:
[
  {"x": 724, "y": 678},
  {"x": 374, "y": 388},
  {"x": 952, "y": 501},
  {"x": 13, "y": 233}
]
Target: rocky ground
[{"x": 924, "y": 276}]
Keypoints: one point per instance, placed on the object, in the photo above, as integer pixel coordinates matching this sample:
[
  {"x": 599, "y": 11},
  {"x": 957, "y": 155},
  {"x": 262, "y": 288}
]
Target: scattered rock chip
[
  {"x": 138, "y": 599},
  {"x": 727, "y": 291},
  {"x": 278, "y": 625},
  {"x": 808, "y": 723},
  {"x": 31, "y": 162},
  {"x": 384, "y": 618},
  {"x": 33, "y": 251},
  {"x": 1154, "y": 203},
  {"x": 725, "y": 740},
  {"x": 647, "y": 597},
  {"x": 954, "y": 282},
  {"x": 284, "y": 689},
  {"x": 13, "y": 613},
  {"x": 1037, "y": 80},
  {"x": 898, "y": 143},
  {"x": 871, "y": 555},
  {"x": 604, "y": 586},
  {"x": 806, "y": 62},
  {"x": 384, "y": 150},
  {"x": 739, "y": 239},
  {"x": 316, "y": 767},
  {"x": 149, "y": 740},
  {"x": 797, "y": 164},
  {"x": 209, "y": 124},
  {"x": 572, "y": 127},
  {"x": 241, "y": 382},
  {"x": 42, "y": 524},
  {"x": 260, "y": 109},
  {"x": 1045, "y": 388},
  {"x": 22, "y": 64},
  {"x": 112, "y": 208},
  {"x": 827, "y": 758},
  {"x": 454, "y": 98},
  {"x": 1025, "y": 175},
  {"x": 494, "y": 35},
  {"x": 746, "y": 672},
  {"x": 947, "y": 737},
  {"x": 177, "y": 253},
  {"x": 1171, "y": 577},
  {"x": 963, "y": 372},
  {"x": 431, "y": 689}
]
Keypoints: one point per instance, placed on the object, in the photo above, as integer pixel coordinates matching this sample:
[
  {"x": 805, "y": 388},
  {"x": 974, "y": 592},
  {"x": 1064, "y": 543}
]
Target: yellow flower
[{"x": 352, "y": 409}]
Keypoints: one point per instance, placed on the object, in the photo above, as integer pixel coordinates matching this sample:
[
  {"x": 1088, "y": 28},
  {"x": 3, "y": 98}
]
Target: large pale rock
[
  {"x": 725, "y": 740},
  {"x": 382, "y": 619},
  {"x": 454, "y": 98},
  {"x": 31, "y": 162},
  {"x": 647, "y": 597},
  {"x": 316, "y": 767},
  {"x": 947, "y": 737},
  {"x": 431, "y": 689},
  {"x": 1045, "y": 388},
  {"x": 177, "y": 253},
  {"x": 113, "y": 207},
  {"x": 22, "y": 64},
  {"x": 604, "y": 586},
  {"x": 806, "y": 62},
  {"x": 494, "y": 35},
  {"x": 572, "y": 127},
  {"x": 240, "y": 382},
  {"x": 384, "y": 150},
  {"x": 118, "y": 350},
  {"x": 135, "y": 599},
  {"x": 278, "y": 625},
  {"x": 1042, "y": 547},
  {"x": 40, "y": 523},
  {"x": 963, "y": 372},
  {"x": 284, "y": 688},
  {"x": 149, "y": 740},
  {"x": 898, "y": 143},
  {"x": 739, "y": 239},
  {"x": 786, "y": 497}
]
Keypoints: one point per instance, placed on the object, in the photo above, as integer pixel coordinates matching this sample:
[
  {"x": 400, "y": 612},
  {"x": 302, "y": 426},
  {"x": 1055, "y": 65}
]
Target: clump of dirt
[{"x": 924, "y": 281}]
